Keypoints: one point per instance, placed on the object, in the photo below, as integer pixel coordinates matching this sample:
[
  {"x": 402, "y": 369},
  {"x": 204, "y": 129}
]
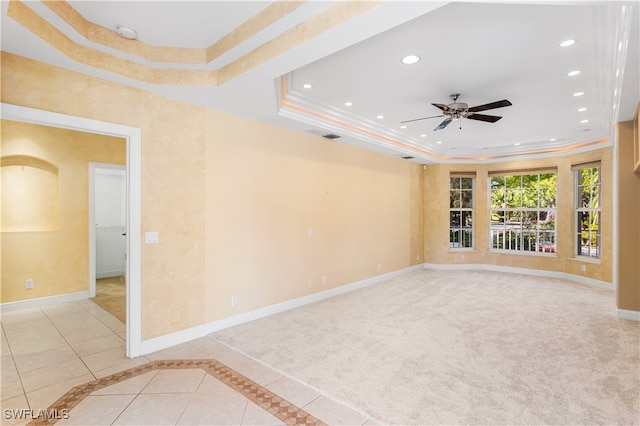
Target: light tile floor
[{"x": 77, "y": 348}]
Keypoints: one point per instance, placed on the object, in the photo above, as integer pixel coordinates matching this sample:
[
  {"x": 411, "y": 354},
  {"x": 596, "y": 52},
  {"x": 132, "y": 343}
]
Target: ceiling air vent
[
  {"x": 324, "y": 134},
  {"x": 331, "y": 136}
]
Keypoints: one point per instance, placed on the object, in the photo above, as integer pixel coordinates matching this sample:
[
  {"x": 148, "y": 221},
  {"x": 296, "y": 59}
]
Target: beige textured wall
[
  {"x": 417, "y": 214},
  {"x": 56, "y": 258},
  {"x": 173, "y": 173},
  {"x": 437, "y": 218},
  {"x": 233, "y": 201},
  {"x": 266, "y": 187},
  {"x": 628, "y": 292}
]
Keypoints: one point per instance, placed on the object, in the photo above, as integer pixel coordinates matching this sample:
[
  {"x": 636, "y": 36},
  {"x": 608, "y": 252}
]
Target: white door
[{"x": 109, "y": 220}]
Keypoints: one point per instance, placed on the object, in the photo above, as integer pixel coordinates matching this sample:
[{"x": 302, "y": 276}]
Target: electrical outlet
[
  {"x": 378, "y": 266},
  {"x": 324, "y": 279},
  {"x": 310, "y": 283},
  {"x": 584, "y": 268},
  {"x": 234, "y": 301},
  {"x": 462, "y": 257},
  {"x": 29, "y": 283}
]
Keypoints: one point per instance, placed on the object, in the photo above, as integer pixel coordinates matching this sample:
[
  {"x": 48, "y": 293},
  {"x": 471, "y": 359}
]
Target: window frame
[
  {"x": 535, "y": 230},
  {"x": 580, "y": 210},
  {"x": 460, "y": 230}
]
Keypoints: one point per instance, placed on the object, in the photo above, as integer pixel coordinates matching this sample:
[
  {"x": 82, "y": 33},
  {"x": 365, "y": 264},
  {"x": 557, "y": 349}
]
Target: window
[
  {"x": 588, "y": 209},
  {"x": 461, "y": 211},
  {"x": 523, "y": 211}
]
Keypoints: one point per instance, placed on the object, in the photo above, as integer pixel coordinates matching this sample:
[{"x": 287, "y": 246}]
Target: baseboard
[
  {"x": 522, "y": 271},
  {"x": 182, "y": 336},
  {"x": 109, "y": 274},
  {"x": 42, "y": 301},
  {"x": 628, "y": 315}
]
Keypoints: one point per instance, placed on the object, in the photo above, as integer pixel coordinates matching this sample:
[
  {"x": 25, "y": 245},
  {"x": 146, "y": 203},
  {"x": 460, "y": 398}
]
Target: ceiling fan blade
[
  {"x": 441, "y": 106},
  {"x": 484, "y": 117},
  {"x": 444, "y": 124},
  {"x": 492, "y": 105},
  {"x": 423, "y": 118}
]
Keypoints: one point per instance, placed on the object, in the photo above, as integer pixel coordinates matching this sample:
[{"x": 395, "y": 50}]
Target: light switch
[{"x": 151, "y": 237}]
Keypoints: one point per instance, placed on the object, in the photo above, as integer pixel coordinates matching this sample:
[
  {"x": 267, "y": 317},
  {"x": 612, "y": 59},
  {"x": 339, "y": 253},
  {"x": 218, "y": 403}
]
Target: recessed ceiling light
[
  {"x": 439, "y": 142},
  {"x": 517, "y": 143},
  {"x": 584, "y": 121},
  {"x": 578, "y": 94},
  {"x": 403, "y": 126},
  {"x": 567, "y": 43},
  {"x": 573, "y": 73},
  {"x": 127, "y": 32},
  {"x": 552, "y": 140},
  {"x": 348, "y": 103},
  {"x": 424, "y": 135},
  {"x": 411, "y": 59},
  {"x": 582, "y": 109},
  {"x": 307, "y": 86},
  {"x": 380, "y": 117}
]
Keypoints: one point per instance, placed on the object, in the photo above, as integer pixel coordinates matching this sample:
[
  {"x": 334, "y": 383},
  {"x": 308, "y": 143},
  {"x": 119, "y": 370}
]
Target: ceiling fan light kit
[{"x": 459, "y": 110}]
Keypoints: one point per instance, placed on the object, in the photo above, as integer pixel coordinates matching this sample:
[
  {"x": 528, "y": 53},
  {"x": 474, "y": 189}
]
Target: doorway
[
  {"x": 107, "y": 234},
  {"x": 133, "y": 138}
]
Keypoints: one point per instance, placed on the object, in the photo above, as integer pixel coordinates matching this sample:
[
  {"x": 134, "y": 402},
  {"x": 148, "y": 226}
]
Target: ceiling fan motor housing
[
  {"x": 458, "y": 106},
  {"x": 458, "y": 110}
]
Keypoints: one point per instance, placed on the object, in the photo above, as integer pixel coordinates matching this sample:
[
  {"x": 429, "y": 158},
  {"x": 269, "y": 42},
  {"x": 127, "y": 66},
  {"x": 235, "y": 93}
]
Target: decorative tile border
[{"x": 284, "y": 410}]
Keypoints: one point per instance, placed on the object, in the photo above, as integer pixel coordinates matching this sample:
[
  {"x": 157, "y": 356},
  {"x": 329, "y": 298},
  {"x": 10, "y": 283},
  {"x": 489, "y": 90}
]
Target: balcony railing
[
  {"x": 510, "y": 236},
  {"x": 526, "y": 239},
  {"x": 460, "y": 237}
]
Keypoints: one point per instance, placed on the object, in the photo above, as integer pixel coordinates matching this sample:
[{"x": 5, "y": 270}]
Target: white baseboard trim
[
  {"x": 182, "y": 336},
  {"x": 523, "y": 271},
  {"x": 109, "y": 274},
  {"x": 42, "y": 301},
  {"x": 628, "y": 315}
]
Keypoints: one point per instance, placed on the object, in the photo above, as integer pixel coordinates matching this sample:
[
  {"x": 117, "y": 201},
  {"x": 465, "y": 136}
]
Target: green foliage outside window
[
  {"x": 588, "y": 211},
  {"x": 523, "y": 212},
  {"x": 461, "y": 212}
]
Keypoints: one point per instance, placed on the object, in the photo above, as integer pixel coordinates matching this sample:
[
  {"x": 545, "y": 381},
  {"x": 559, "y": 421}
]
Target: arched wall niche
[{"x": 30, "y": 195}]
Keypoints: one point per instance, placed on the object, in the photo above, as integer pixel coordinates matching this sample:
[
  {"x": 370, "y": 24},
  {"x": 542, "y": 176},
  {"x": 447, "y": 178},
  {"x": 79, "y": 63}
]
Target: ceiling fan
[{"x": 459, "y": 110}]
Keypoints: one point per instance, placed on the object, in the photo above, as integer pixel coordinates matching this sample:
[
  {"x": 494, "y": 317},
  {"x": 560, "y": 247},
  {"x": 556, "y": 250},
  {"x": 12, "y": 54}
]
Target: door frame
[
  {"x": 93, "y": 167},
  {"x": 133, "y": 137}
]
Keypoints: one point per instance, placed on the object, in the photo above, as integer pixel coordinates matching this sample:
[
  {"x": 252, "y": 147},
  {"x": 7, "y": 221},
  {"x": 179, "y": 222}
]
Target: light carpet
[{"x": 460, "y": 347}]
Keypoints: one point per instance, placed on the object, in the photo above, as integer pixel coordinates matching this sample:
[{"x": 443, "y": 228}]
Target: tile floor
[{"x": 67, "y": 362}]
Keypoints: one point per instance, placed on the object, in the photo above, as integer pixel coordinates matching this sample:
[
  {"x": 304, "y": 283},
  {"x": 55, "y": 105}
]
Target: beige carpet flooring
[
  {"x": 111, "y": 295},
  {"x": 461, "y": 347}
]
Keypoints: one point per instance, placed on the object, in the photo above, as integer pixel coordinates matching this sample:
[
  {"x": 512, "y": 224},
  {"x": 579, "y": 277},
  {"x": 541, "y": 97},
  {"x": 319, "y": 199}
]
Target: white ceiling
[{"x": 485, "y": 51}]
